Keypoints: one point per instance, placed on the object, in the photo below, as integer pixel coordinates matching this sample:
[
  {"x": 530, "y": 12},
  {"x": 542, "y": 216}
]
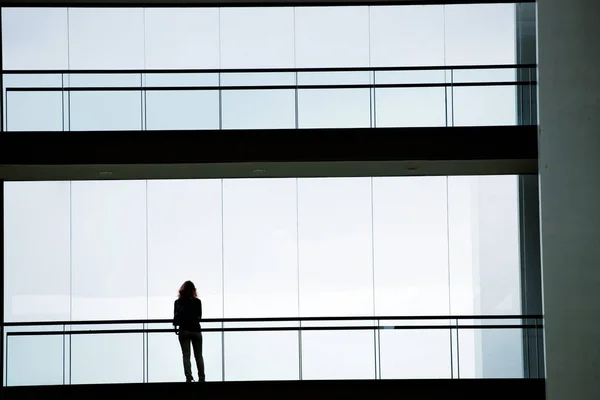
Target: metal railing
[
  {"x": 266, "y": 98},
  {"x": 519, "y": 340}
]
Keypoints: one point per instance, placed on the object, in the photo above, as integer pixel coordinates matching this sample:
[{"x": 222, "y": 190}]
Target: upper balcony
[{"x": 247, "y": 99}]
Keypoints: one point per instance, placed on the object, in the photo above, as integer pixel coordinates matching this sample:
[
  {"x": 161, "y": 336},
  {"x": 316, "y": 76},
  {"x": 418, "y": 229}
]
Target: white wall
[{"x": 569, "y": 141}]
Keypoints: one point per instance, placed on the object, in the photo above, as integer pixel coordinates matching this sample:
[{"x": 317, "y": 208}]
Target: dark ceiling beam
[{"x": 279, "y": 145}]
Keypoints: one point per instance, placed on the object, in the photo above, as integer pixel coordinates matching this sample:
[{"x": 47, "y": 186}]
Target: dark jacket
[{"x": 192, "y": 315}]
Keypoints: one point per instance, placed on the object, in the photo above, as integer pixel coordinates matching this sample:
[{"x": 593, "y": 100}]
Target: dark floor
[{"x": 530, "y": 389}]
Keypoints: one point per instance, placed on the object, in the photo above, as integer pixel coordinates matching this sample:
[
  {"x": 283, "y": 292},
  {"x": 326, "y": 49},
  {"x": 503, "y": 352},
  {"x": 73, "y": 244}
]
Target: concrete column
[{"x": 569, "y": 141}]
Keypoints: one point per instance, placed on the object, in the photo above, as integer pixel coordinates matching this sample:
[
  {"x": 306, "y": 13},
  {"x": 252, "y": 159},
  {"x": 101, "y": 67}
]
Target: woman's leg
[
  {"x": 197, "y": 343},
  {"x": 184, "y": 341}
]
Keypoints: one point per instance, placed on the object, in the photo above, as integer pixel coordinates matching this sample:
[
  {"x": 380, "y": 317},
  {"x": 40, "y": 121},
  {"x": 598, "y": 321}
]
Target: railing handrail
[
  {"x": 263, "y": 70},
  {"x": 298, "y": 328},
  {"x": 281, "y": 319}
]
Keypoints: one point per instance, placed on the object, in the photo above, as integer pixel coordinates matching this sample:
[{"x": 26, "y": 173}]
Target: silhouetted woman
[{"x": 187, "y": 314}]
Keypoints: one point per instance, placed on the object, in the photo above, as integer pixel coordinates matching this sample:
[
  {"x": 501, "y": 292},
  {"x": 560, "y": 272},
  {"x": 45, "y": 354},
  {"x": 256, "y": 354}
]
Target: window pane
[
  {"x": 335, "y": 244},
  {"x": 105, "y": 110},
  {"x": 259, "y": 109},
  {"x": 485, "y": 105},
  {"x": 34, "y": 111},
  {"x": 260, "y": 248},
  {"x": 251, "y": 356},
  {"x": 36, "y": 251},
  {"x": 411, "y": 246},
  {"x": 407, "y": 36},
  {"x": 334, "y": 108},
  {"x": 165, "y": 361},
  {"x": 257, "y": 37},
  {"x": 332, "y": 37},
  {"x": 106, "y": 38},
  {"x": 107, "y": 358},
  {"x": 182, "y": 38},
  {"x": 484, "y": 228},
  {"x": 182, "y": 109},
  {"x": 184, "y": 243},
  {"x": 109, "y": 250},
  {"x": 415, "y": 354},
  {"x": 338, "y": 354},
  {"x": 34, "y": 38},
  {"x": 34, "y": 360},
  {"x": 480, "y": 34}
]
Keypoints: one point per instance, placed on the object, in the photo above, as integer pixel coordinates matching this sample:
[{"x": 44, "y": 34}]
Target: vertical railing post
[
  {"x": 379, "y": 346},
  {"x": 457, "y": 350}
]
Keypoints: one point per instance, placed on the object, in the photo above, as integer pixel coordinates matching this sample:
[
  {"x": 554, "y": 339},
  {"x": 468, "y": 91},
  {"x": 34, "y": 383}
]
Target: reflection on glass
[
  {"x": 105, "y": 110},
  {"x": 34, "y": 111},
  {"x": 107, "y": 358},
  {"x": 258, "y": 109},
  {"x": 415, "y": 354},
  {"x": 498, "y": 353},
  {"x": 484, "y": 233},
  {"x": 182, "y": 109},
  {"x": 251, "y": 356},
  {"x": 334, "y": 108},
  {"x": 34, "y": 360},
  {"x": 338, "y": 354}
]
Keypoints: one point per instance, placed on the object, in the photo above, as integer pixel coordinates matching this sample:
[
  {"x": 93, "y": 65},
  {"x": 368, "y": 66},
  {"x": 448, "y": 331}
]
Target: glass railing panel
[
  {"x": 484, "y": 105},
  {"x": 261, "y": 355},
  {"x": 164, "y": 356},
  {"x": 410, "y": 107},
  {"x": 258, "y": 109},
  {"x": 334, "y": 108},
  {"x": 494, "y": 349},
  {"x": 105, "y": 102},
  {"x": 415, "y": 349},
  {"x": 181, "y": 101},
  {"x": 182, "y": 109},
  {"x": 33, "y": 102},
  {"x": 34, "y": 359},
  {"x": 341, "y": 352},
  {"x": 106, "y": 357}
]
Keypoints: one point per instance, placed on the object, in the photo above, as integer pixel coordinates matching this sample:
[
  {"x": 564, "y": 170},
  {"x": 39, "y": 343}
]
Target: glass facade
[{"x": 375, "y": 249}]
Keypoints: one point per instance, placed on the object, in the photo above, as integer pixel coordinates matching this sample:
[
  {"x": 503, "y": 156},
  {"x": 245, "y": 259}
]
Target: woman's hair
[{"x": 187, "y": 290}]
